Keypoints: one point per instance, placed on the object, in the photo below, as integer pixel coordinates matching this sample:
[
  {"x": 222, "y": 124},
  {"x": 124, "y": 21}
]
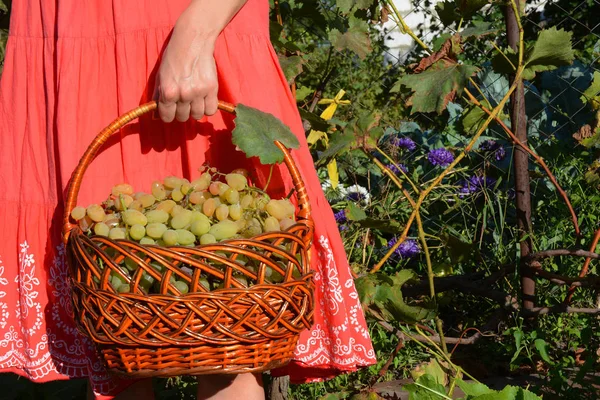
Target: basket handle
[{"x": 102, "y": 137}]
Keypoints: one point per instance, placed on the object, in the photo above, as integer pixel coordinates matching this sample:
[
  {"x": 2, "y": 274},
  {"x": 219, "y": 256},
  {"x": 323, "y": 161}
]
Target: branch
[
  {"x": 585, "y": 267},
  {"x": 537, "y": 158},
  {"x": 562, "y": 252},
  {"x": 559, "y": 309}
]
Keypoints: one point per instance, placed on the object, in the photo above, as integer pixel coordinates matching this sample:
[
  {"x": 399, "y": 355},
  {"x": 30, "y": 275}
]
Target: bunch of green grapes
[{"x": 177, "y": 212}]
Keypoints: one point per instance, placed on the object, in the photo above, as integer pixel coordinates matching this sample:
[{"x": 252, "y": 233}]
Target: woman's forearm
[{"x": 204, "y": 20}]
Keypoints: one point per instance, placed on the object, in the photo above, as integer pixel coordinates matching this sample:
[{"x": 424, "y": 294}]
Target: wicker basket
[{"x": 231, "y": 330}]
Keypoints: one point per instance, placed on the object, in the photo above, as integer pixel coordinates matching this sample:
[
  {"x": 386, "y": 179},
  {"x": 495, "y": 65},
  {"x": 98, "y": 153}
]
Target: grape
[
  {"x": 166, "y": 205},
  {"x": 253, "y": 228},
  {"x": 112, "y": 221},
  {"x": 280, "y": 209},
  {"x": 209, "y": 206},
  {"x": 176, "y": 210},
  {"x": 273, "y": 275},
  {"x": 147, "y": 240},
  {"x": 122, "y": 188},
  {"x": 133, "y": 217},
  {"x": 116, "y": 233},
  {"x": 182, "y": 219},
  {"x": 158, "y": 191},
  {"x": 137, "y": 231},
  {"x": 204, "y": 282},
  {"x": 78, "y": 213},
  {"x": 176, "y": 194},
  {"x": 85, "y": 223},
  {"x": 172, "y": 182},
  {"x": 260, "y": 203},
  {"x": 203, "y": 182},
  {"x": 146, "y": 281},
  {"x": 214, "y": 188},
  {"x": 207, "y": 238},
  {"x": 232, "y": 196},
  {"x": 182, "y": 286},
  {"x": 124, "y": 288},
  {"x": 197, "y": 197},
  {"x": 185, "y": 237},
  {"x": 186, "y": 186},
  {"x": 241, "y": 223},
  {"x": 271, "y": 224},
  {"x": 95, "y": 212},
  {"x": 136, "y": 205},
  {"x": 170, "y": 237},
  {"x": 147, "y": 200},
  {"x": 235, "y": 212},
  {"x": 200, "y": 227},
  {"x": 101, "y": 229},
  {"x": 223, "y": 187},
  {"x": 155, "y": 230},
  {"x": 137, "y": 195},
  {"x": 236, "y": 181},
  {"x": 157, "y": 216},
  {"x": 286, "y": 223},
  {"x": 223, "y": 230},
  {"x": 246, "y": 201},
  {"x": 222, "y": 212},
  {"x": 198, "y": 216},
  {"x": 242, "y": 280},
  {"x": 123, "y": 201}
]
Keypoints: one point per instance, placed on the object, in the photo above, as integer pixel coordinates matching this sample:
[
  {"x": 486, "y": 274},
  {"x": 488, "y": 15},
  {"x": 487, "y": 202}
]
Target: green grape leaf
[
  {"x": 453, "y": 11},
  {"x": 552, "y": 49},
  {"x": 542, "y": 348},
  {"x": 302, "y": 92},
  {"x": 426, "y": 388},
  {"x": 383, "y": 294},
  {"x": 255, "y": 134},
  {"x": 383, "y": 225},
  {"x": 437, "y": 86},
  {"x": 505, "y": 63},
  {"x": 338, "y": 143},
  {"x": 316, "y": 122},
  {"x": 345, "y": 6},
  {"x": 356, "y": 38},
  {"x": 508, "y": 393},
  {"x": 355, "y": 213},
  {"x": 433, "y": 369},
  {"x": 473, "y": 388},
  {"x": 291, "y": 66},
  {"x": 366, "y": 396},
  {"x": 478, "y": 29},
  {"x": 591, "y": 95}
]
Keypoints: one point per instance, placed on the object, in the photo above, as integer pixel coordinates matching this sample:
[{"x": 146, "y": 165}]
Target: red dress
[{"x": 72, "y": 67}]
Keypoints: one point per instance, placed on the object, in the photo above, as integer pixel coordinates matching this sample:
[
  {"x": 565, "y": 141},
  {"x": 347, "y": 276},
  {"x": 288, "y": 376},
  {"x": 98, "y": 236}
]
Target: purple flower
[
  {"x": 340, "y": 217},
  {"x": 441, "y": 157},
  {"x": 343, "y": 228},
  {"x": 396, "y": 170},
  {"x": 489, "y": 146},
  {"x": 475, "y": 184},
  {"x": 355, "y": 196},
  {"x": 404, "y": 142},
  {"x": 407, "y": 249}
]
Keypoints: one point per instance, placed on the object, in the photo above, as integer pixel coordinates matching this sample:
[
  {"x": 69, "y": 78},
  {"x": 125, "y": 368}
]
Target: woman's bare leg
[
  {"x": 140, "y": 390},
  {"x": 231, "y": 387}
]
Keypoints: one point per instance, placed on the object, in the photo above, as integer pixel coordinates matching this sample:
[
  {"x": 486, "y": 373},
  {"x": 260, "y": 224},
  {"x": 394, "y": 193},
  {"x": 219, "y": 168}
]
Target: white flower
[{"x": 364, "y": 194}]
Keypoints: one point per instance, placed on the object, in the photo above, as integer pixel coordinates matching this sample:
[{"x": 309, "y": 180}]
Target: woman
[{"x": 72, "y": 67}]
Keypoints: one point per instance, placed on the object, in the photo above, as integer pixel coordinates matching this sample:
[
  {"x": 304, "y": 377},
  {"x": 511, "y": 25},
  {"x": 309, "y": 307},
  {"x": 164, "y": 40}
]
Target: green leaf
[
  {"x": 473, "y": 388},
  {"x": 3, "y": 7},
  {"x": 383, "y": 293},
  {"x": 345, "y": 6},
  {"x": 542, "y": 348},
  {"x": 255, "y": 134},
  {"x": 592, "y": 93},
  {"x": 437, "y": 86},
  {"x": 523, "y": 394},
  {"x": 355, "y": 213},
  {"x": 317, "y": 123},
  {"x": 508, "y": 393},
  {"x": 426, "y": 388},
  {"x": 433, "y": 369},
  {"x": 551, "y": 50},
  {"x": 302, "y": 92},
  {"x": 291, "y": 66},
  {"x": 383, "y": 225},
  {"x": 458, "y": 249},
  {"x": 453, "y": 11},
  {"x": 338, "y": 143},
  {"x": 356, "y": 38},
  {"x": 478, "y": 29},
  {"x": 505, "y": 63}
]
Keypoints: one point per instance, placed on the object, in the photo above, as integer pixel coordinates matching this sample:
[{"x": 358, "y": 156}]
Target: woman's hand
[{"x": 186, "y": 83}]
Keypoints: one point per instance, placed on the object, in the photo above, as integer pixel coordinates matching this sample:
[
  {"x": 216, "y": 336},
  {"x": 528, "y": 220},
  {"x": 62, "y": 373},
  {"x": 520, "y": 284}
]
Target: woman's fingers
[
  {"x": 167, "y": 103},
  {"x": 211, "y": 104},
  {"x": 183, "y": 111},
  {"x": 198, "y": 108}
]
